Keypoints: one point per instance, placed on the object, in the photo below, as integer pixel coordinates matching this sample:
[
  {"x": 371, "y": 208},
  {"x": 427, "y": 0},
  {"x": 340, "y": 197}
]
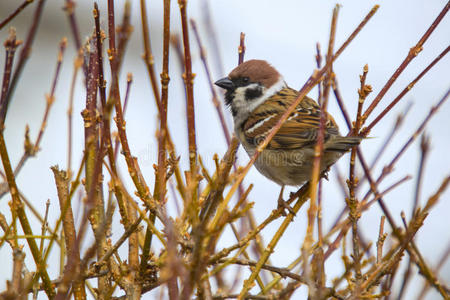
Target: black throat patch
[{"x": 229, "y": 96}]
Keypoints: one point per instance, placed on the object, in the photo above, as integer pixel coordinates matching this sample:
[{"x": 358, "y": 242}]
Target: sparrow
[{"x": 258, "y": 96}]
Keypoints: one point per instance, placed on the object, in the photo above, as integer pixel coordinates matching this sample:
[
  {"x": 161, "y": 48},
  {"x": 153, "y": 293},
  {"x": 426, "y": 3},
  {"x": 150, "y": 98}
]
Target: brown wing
[{"x": 299, "y": 130}]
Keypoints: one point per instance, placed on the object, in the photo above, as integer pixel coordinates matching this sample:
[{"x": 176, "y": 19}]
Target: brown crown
[{"x": 258, "y": 71}]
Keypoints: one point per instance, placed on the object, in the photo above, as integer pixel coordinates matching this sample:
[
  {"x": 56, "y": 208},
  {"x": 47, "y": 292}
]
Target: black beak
[{"x": 225, "y": 83}]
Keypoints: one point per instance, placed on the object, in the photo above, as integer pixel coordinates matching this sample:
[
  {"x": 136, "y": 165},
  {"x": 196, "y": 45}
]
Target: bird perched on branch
[{"x": 258, "y": 96}]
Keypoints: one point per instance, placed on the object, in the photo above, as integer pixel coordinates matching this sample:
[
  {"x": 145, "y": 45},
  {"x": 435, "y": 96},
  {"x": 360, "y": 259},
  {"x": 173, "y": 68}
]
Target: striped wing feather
[{"x": 299, "y": 130}]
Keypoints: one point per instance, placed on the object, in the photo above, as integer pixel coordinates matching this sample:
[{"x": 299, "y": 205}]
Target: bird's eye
[{"x": 245, "y": 79}]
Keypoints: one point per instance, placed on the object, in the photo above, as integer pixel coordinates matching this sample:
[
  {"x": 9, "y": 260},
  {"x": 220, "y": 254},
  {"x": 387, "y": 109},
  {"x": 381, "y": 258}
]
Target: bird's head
[{"x": 249, "y": 85}]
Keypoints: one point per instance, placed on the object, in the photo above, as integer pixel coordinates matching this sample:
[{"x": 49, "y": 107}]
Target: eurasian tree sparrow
[{"x": 258, "y": 97}]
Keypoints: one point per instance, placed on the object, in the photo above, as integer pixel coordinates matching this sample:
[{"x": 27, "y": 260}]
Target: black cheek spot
[
  {"x": 253, "y": 93},
  {"x": 229, "y": 96}
]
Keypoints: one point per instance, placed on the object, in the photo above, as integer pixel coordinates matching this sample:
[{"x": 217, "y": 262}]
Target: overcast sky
[{"x": 285, "y": 34}]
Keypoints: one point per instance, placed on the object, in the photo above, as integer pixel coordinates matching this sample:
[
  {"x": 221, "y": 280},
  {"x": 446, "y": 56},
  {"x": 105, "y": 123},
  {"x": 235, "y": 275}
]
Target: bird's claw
[{"x": 325, "y": 173}]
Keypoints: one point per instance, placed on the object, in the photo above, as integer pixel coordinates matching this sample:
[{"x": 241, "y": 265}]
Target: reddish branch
[
  {"x": 160, "y": 185},
  {"x": 132, "y": 286},
  {"x": 389, "y": 167},
  {"x": 148, "y": 56},
  {"x": 106, "y": 140},
  {"x": 32, "y": 149},
  {"x": 124, "y": 31},
  {"x": 125, "y": 105},
  {"x": 215, "y": 98},
  {"x": 413, "y": 252},
  {"x": 26, "y": 49},
  {"x": 188, "y": 82},
  {"x": 95, "y": 143},
  {"x": 386, "y": 170},
  {"x": 413, "y": 52},
  {"x": 161, "y": 102},
  {"x": 69, "y": 8},
  {"x": 15, "y": 13},
  {"x": 134, "y": 170},
  {"x": 404, "y": 91},
  {"x": 11, "y": 45}
]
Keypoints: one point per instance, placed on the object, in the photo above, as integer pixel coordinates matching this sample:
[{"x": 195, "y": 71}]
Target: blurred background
[{"x": 283, "y": 33}]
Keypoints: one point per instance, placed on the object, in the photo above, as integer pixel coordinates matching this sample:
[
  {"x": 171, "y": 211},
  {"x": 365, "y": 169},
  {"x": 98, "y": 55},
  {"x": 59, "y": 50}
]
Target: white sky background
[{"x": 283, "y": 33}]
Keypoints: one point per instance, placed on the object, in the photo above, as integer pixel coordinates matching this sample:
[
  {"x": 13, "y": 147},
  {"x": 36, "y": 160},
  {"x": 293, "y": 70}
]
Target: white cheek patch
[
  {"x": 240, "y": 103},
  {"x": 244, "y": 108},
  {"x": 239, "y": 96}
]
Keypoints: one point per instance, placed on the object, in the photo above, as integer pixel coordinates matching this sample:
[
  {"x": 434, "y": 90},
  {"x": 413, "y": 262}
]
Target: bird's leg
[{"x": 283, "y": 205}]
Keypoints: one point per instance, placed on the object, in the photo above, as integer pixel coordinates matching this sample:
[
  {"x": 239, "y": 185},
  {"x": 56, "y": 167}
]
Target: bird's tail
[{"x": 342, "y": 143}]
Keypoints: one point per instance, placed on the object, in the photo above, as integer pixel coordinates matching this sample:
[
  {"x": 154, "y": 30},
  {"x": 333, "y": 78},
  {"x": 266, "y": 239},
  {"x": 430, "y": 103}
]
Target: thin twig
[
  {"x": 404, "y": 91},
  {"x": 44, "y": 225},
  {"x": 340, "y": 101},
  {"x": 241, "y": 48},
  {"x": 405, "y": 241},
  {"x": 283, "y": 272},
  {"x": 134, "y": 169},
  {"x": 188, "y": 77},
  {"x": 19, "y": 211},
  {"x": 76, "y": 67},
  {"x": 214, "y": 98},
  {"x": 439, "y": 265},
  {"x": 424, "y": 150},
  {"x": 381, "y": 238},
  {"x": 125, "y": 105},
  {"x": 351, "y": 201},
  {"x": 69, "y": 8},
  {"x": 105, "y": 138},
  {"x": 270, "y": 247},
  {"x": 25, "y": 53},
  {"x": 131, "y": 229},
  {"x": 389, "y": 167},
  {"x": 318, "y": 58},
  {"x": 413, "y": 52},
  {"x": 124, "y": 31},
  {"x": 316, "y": 291},
  {"x": 209, "y": 26},
  {"x": 11, "y": 45},
  {"x": 389, "y": 137},
  {"x": 32, "y": 149},
  {"x": 346, "y": 224},
  {"x": 15, "y": 13},
  {"x": 148, "y": 56},
  {"x": 161, "y": 103}
]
